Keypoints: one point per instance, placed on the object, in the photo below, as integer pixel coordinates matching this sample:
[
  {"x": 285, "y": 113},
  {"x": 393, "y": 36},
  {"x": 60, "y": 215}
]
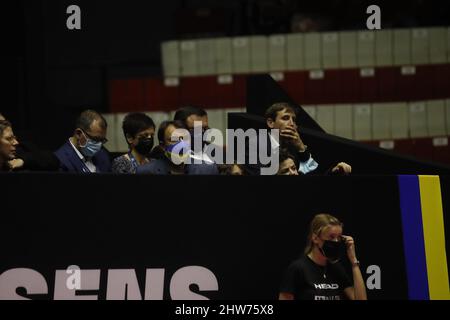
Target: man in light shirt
[{"x": 282, "y": 116}]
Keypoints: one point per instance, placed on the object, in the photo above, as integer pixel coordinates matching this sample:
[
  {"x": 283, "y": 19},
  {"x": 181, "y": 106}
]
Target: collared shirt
[
  {"x": 88, "y": 163},
  {"x": 203, "y": 157}
]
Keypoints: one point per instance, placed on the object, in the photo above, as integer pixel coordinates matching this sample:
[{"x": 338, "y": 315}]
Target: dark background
[
  {"x": 246, "y": 242},
  {"x": 51, "y": 73}
]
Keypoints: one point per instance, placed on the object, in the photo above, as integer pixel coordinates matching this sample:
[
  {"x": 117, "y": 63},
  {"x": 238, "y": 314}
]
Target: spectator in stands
[
  {"x": 287, "y": 165},
  {"x": 84, "y": 151},
  {"x": 177, "y": 152},
  {"x": 30, "y": 157},
  {"x": 282, "y": 116},
  {"x": 232, "y": 169},
  {"x": 8, "y": 144},
  {"x": 319, "y": 273},
  {"x": 139, "y": 132},
  {"x": 189, "y": 116}
]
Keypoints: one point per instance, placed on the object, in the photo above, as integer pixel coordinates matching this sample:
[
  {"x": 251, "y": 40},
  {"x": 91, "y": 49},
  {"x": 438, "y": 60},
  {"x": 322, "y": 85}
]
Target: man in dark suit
[
  {"x": 175, "y": 146},
  {"x": 84, "y": 151}
]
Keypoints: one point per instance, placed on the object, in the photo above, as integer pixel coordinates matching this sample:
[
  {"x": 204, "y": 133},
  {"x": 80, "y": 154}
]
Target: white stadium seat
[
  {"x": 384, "y": 55},
  {"x": 343, "y": 121},
  {"x": 313, "y": 51},
  {"x": 241, "y": 55},
  {"x": 224, "y": 56},
  {"x": 418, "y": 119},
  {"x": 188, "y": 54},
  {"x": 277, "y": 52},
  {"x": 325, "y": 117},
  {"x": 347, "y": 49},
  {"x": 170, "y": 52},
  {"x": 295, "y": 52},
  {"x": 330, "y": 50},
  {"x": 259, "y": 61},
  {"x": 362, "y": 120}
]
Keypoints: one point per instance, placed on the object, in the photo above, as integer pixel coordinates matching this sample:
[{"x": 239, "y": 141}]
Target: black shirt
[{"x": 307, "y": 280}]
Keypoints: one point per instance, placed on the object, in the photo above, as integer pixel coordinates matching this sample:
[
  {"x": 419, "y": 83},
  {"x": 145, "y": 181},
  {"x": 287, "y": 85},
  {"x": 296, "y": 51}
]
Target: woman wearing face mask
[
  {"x": 318, "y": 274},
  {"x": 175, "y": 147},
  {"x": 139, "y": 131}
]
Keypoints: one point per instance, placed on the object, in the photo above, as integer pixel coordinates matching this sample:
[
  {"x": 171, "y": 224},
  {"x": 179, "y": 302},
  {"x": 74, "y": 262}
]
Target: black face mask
[
  {"x": 333, "y": 250},
  {"x": 144, "y": 146}
]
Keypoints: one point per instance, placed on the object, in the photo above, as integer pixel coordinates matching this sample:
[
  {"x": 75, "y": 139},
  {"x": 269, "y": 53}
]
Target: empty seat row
[
  {"x": 154, "y": 94},
  {"x": 384, "y": 121},
  {"x": 305, "y": 87},
  {"x": 428, "y": 149},
  {"x": 306, "y": 51}
]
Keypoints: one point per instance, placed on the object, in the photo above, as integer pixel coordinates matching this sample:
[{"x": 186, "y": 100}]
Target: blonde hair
[{"x": 319, "y": 223}]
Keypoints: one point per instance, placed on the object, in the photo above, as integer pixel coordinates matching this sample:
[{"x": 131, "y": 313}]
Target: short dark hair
[
  {"x": 3, "y": 125},
  {"x": 225, "y": 169},
  {"x": 87, "y": 117},
  {"x": 163, "y": 126},
  {"x": 183, "y": 113},
  {"x": 272, "y": 111},
  {"x": 285, "y": 154},
  {"x": 133, "y": 123}
]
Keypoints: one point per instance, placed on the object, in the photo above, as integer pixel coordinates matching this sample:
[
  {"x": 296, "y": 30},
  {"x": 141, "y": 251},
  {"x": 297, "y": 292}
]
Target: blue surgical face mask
[
  {"x": 178, "y": 152},
  {"x": 90, "y": 148}
]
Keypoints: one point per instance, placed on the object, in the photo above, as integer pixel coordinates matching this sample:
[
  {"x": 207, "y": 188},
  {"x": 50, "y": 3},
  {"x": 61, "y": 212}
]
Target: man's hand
[
  {"x": 292, "y": 135},
  {"x": 342, "y": 168},
  {"x": 16, "y": 164}
]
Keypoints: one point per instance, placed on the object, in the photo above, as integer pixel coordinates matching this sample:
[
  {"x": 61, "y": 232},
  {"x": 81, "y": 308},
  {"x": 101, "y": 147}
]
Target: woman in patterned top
[{"x": 139, "y": 131}]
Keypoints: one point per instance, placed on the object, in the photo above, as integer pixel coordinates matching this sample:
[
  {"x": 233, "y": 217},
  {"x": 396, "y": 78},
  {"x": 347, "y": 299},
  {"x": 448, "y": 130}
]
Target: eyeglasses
[{"x": 96, "y": 139}]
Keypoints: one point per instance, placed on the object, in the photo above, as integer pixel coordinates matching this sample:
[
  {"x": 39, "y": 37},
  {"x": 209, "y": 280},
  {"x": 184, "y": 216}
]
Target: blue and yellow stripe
[{"x": 424, "y": 237}]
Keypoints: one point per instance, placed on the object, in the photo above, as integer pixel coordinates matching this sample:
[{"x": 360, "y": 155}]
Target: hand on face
[
  {"x": 291, "y": 134},
  {"x": 285, "y": 121},
  {"x": 351, "y": 252}
]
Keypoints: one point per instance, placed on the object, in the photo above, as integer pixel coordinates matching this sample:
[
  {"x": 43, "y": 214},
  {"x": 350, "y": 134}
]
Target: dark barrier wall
[{"x": 174, "y": 237}]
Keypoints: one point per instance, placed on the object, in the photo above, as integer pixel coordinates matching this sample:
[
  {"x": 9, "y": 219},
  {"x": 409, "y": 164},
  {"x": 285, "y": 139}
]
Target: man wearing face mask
[
  {"x": 174, "y": 141},
  {"x": 193, "y": 117},
  {"x": 139, "y": 131},
  {"x": 84, "y": 152},
  {"x": 319, "y": 274}
]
